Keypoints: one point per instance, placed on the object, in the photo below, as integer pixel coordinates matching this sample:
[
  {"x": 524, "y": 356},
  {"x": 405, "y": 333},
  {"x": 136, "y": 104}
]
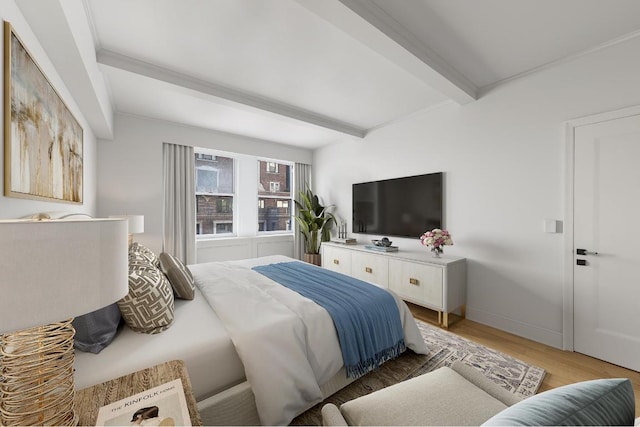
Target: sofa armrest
[
  {"x": 331, "y": 416},
  {"x": 475, "y": 377}
]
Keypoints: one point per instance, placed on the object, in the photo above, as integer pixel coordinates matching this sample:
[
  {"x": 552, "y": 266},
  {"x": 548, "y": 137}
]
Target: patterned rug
[{"x": 513, "y": 374}]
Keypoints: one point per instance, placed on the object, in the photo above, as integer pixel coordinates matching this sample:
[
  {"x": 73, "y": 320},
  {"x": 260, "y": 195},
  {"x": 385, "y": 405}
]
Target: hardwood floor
[{"x": 563, "y": 367}]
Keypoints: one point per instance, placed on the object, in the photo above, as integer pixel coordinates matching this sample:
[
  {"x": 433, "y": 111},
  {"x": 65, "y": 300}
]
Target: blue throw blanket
[{"x": 366, "y": 317}]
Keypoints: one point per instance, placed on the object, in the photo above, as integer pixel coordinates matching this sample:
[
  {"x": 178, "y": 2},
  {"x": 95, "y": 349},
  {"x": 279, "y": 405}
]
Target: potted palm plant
[{"x": 315, "y": 223}]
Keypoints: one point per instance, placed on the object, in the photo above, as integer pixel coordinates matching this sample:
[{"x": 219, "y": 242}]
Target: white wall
[
  {"x": 503, "y": 158},
  {"x": 130, "y": 179},
  {"x": 11, "y": 207}
]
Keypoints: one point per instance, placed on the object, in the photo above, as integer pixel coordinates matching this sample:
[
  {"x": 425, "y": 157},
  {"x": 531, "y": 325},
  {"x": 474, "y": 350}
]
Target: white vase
[{"x": 436, "y": 252}]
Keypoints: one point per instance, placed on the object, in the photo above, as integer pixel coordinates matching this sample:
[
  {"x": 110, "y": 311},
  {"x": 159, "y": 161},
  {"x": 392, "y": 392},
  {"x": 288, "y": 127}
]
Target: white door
[{"x": 607, "y": 222}]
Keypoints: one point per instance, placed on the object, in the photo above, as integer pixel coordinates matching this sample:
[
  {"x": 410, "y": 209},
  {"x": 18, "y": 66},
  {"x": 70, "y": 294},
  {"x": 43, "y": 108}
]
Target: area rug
[{"x": 445, "y": 348}]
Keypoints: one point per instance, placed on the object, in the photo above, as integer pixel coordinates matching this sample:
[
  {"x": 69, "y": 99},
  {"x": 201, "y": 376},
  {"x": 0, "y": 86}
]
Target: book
[
  {"x": 382, "y": 248},
  {"x": 162, "y": 405},
  {"x": 345, "y": 241}
]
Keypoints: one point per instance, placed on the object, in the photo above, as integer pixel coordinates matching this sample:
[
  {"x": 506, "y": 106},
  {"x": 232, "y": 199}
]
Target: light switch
[{"x": 551, "y": 226}]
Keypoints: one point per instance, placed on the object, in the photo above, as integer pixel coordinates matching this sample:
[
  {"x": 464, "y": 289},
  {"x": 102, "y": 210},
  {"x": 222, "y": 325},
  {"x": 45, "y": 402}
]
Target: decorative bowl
[{"x": 384, "y": 242}]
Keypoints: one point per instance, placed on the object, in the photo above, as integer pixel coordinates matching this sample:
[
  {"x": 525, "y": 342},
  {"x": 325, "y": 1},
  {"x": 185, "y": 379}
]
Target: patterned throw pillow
[
  {"x": 137, "y": 261},
  {"x": 148, "y": 307},
  {"x": 137, "y": 250},
  {"x": 179, "y": 276}
]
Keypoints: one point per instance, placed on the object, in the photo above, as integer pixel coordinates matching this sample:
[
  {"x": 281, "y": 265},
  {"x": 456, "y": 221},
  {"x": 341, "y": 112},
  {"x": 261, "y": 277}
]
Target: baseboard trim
[{"x": 525, "y": 330}]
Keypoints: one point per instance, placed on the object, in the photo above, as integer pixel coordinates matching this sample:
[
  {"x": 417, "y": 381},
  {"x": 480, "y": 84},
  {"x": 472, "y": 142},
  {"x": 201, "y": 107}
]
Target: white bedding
[
  {"x": 196, "y": 336},
  {"x": 287, "y": 343}
]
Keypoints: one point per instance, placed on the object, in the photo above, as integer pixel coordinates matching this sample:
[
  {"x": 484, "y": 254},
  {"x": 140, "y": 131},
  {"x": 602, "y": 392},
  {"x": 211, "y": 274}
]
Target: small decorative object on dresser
[
  {"x": 342, "y": 236},
  {"x": 384, "y": 242},
  {"x": 435, "y": 240}
]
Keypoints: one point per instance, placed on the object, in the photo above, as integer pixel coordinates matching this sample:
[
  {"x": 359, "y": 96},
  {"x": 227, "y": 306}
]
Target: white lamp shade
[
  {"x": 136, "y": 224},
  {"x": 58, "y": 269}
]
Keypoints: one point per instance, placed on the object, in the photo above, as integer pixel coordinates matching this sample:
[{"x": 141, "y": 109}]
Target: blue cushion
[
  {"x": 597, "y": 402},
  {"x": 96, "y": 330}
]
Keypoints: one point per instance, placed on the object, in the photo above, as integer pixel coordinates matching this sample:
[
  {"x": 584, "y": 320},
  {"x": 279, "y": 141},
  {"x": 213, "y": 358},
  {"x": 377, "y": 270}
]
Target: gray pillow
[
  {"x": 179, "y": 276},
  {"x": 96, "y": 330},
  {"x": 595, "y": 403}
]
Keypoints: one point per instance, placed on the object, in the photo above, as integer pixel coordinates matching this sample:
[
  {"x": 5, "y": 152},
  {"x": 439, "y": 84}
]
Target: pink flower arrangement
[{"x": 436, "y": 239}]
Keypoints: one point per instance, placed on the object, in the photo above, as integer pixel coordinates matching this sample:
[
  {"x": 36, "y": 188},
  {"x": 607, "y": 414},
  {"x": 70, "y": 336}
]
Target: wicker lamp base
[{"x": 36, "y": 376}]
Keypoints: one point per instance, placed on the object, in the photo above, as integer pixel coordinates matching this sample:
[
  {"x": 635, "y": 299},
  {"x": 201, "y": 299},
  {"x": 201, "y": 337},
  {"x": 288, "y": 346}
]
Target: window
[
  {"x": 222, "y": 227},
  {"x": 272, "y": 167},
  {"x": 226, "y": 186},
  {"x": 274, "y": 196},
  {"x": 206, "y": 180},
  {"x": 215, "y": 191},
  {"x": 224, "y": 205},
  {"x": 203, "y": 156}
]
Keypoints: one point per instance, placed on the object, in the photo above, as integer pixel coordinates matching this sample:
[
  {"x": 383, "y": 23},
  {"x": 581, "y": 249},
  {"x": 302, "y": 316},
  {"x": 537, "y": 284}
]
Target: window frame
[
  {"x": 234, "y": 196},
  {"x": 270, "y": 195},
  {"x": 275, "y": 167}
]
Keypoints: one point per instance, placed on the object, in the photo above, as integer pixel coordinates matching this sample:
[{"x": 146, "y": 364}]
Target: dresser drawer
[
  {"x": 372, "y": 268},
  {"x": 418, "y": 283},
  {"x": 336, "y": 259}
]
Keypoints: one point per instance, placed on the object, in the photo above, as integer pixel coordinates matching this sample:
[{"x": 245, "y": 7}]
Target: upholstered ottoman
[{"x": 459, "y": 395}]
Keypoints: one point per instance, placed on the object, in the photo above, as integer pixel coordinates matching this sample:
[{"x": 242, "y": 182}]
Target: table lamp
[
  {"x": 136, "y": 224},
  {"x": 51, "y": 270}
]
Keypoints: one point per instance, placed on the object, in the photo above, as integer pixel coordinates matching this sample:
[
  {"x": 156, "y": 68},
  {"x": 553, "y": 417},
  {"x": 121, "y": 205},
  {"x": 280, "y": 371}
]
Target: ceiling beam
[
  {"x": 368, "y": 23},
  {"x": 224, "y": 94},
  {"x": 63, "y": 31}
]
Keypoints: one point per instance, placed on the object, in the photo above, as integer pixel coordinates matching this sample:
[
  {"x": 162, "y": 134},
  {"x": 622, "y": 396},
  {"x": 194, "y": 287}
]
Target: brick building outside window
[
  {"x": 274, "y": 196},
  {"x": 214, "y": 194}
]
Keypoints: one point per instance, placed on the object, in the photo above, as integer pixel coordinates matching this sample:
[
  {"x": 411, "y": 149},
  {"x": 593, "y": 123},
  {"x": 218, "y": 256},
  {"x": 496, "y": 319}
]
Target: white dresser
[{"x": 415, "y": 275}]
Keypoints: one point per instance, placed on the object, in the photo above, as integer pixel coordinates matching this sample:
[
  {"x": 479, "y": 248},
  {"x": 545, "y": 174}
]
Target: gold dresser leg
[{"x": 445, "y": 319}]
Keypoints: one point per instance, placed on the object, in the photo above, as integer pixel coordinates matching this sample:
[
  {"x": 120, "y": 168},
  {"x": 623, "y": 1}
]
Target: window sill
[{"x": 263, "y": 235}]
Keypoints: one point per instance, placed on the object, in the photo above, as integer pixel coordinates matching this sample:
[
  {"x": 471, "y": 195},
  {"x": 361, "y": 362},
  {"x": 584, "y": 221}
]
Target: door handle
[{"x": 585, "y": 252}]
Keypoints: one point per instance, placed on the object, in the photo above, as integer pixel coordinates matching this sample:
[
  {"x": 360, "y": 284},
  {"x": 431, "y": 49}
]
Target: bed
[{"x": 221, "y": 353}]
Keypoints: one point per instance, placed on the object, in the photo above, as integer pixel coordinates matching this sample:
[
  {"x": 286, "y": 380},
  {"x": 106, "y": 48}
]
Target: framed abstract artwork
[{"x": 43, "y": 141}]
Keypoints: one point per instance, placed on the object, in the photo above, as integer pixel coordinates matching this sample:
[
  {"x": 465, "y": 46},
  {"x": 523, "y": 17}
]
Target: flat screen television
[{"x": 403, "y": 207}]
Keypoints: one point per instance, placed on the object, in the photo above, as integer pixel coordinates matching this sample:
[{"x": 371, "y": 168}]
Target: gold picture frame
[{"x": 43, "y": 141}]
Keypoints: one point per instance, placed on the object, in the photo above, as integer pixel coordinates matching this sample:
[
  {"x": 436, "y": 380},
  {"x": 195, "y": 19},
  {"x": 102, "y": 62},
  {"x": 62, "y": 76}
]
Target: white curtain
[
  {"x": 302, "y": 177},
  {"x": 179, "y": 218}
]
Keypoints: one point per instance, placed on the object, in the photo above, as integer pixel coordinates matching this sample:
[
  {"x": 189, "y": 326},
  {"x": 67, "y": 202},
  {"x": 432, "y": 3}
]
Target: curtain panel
[
  {"x": 179, "y": 217},
  {"x": 302, "y": 177}
]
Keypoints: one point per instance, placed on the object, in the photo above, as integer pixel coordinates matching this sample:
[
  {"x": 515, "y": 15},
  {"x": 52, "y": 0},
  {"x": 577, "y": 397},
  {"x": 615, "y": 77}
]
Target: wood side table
[{"x": 91, "y": 399}]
